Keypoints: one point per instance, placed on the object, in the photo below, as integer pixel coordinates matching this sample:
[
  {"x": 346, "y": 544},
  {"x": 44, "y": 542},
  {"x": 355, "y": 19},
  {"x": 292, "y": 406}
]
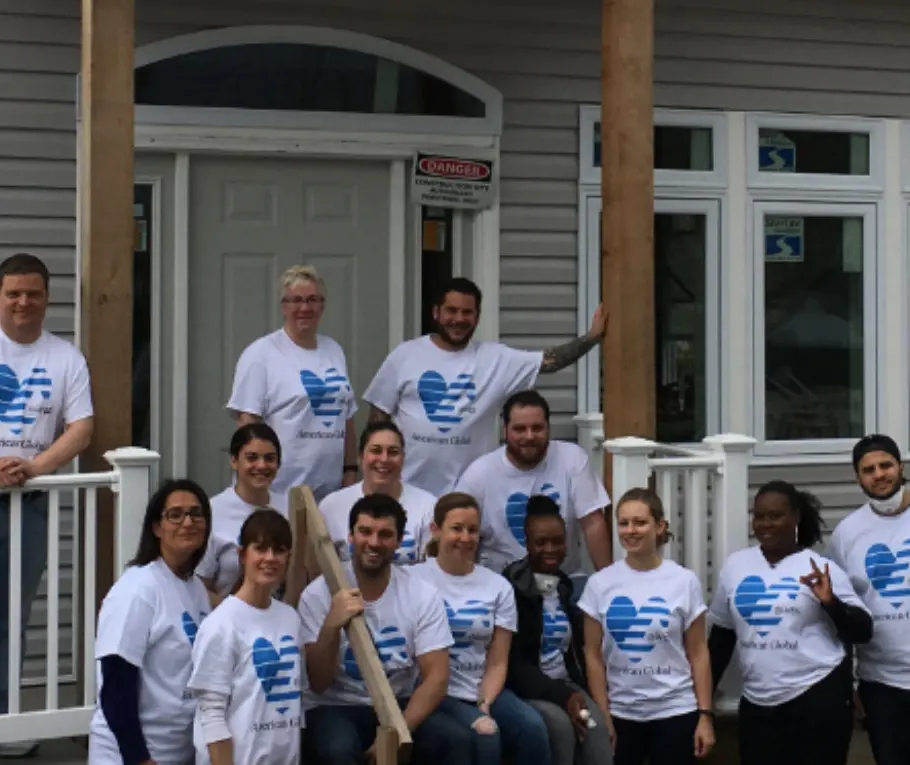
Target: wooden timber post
[
  {"x": 393, "y": 738},
  {"x": 627, "y": 230},
  {"x": 107, "y": 235}
]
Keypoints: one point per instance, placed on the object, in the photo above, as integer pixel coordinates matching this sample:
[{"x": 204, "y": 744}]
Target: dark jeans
[
  {"x": 815, "y": 728},
  {"x": 34, "y": 559},
  {"x": 887, "y": 721},
  {"x": 668, "y": 741},
  {"x": 340, "y": 736}
]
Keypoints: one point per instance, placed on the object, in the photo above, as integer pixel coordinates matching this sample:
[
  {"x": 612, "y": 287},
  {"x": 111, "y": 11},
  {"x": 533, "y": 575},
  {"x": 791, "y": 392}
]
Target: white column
[
  {"x": 631, "y": 469},
  {"x": 591, "y": 438},
  {"x": 730, "y": 514},
  {"x": 133, "y": 487}
]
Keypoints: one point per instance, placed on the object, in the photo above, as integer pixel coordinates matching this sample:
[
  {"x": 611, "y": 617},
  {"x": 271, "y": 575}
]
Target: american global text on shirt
[
  {"x": 772, "y": 645},
  {"x": 897, "y": 616},
  {"x": 441, "y": 441},
  {"x": 639, "y": 671},
  {"x": 293, "y": 722},
  {"x": 26, "y": 444},
  {"x": 321, "y": 435}
]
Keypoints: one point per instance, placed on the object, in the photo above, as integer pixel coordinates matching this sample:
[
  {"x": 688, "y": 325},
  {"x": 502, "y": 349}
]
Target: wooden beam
[
  {"x": 627, "y": 231},
  {"x": 384, "y": 702},
  {"x": 106, "y": 227}
]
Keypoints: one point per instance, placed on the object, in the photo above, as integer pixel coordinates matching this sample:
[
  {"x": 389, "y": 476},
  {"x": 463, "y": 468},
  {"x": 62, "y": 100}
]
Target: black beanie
[{"x": 876, "y": 442}]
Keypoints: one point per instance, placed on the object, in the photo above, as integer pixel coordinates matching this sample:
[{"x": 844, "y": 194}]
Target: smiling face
[
  {"x": 546, "y": 543},
  {"x": 638, "y": 531},
  {"x": 456, "y": 319},
  {"x": 23, "y": 303},
  {"x": 256, "y": 465},
  {"x": 382, "y": 459},
  {"x": 459, "y": 535},
  {"x": 375, "y": 542},
  {"x": 264, "y": 564},
  {"x": 527, "y": 435},
  {"x": 181, "y": 530},
  {"x": 879, "y": 475},
  {"x": 774, "y": 522},
  {"x": 302, "y": 305}
]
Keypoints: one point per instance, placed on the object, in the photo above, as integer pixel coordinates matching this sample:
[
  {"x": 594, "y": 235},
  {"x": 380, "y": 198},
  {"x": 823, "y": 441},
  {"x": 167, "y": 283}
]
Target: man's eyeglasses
[
  {"x": 176, "y": 515},
  {"x": 298, "y": 301}
]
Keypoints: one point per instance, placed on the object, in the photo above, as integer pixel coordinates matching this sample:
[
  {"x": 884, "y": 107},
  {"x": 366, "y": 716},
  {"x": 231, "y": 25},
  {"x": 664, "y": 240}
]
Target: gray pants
[{"x": 565, "y": 746}]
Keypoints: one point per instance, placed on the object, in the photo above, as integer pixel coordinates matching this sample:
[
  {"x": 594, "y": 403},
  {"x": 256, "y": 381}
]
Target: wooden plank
[
  {"x": 384, "y": 702},
  {"x": 386, "y": 746},
  {"x": 627, "y": 257}
]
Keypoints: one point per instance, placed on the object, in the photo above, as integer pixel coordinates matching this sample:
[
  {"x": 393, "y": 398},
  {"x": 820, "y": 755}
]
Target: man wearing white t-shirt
[
  {"x": 530, "y": 463},
  {"x": 444, "y": 390},
  {"x": 872, "y": 545},
  {"x": 47, "y": 416},
  {"x": 410, "y": 630},
  {"x": 296, "y": 381}
]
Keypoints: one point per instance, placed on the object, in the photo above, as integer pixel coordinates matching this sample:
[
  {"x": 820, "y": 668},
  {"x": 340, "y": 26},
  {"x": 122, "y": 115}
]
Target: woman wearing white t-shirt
[
  {"x": 480, "y": 605},
  {"x": 645, "y": 649},
  {"x": 247, "y": 665},
  {"x": 296, "y": 380},
  {"x": 790, "y": 613},
  {"x": 146, "y": 629},
  {"x": 255, "y": 459},
  {"x": 381, "y": 460}
]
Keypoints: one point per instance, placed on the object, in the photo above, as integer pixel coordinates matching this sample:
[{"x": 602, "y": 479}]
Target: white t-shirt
[
  {"x": 476, "y": 604},
  {"x": 407, "y": 621},
  {"x": 306, "y": 396},
  {"x": 43, "y": 386},
  {"x": 503, "y": 490},
  {"x": 150, "y": 618},
  {"x": 786, "y": 643},
  {"x": 221, "y": 561},
  {"x": 446, "y": 402},
  {"x": 645, "y": 615},
  {"x": 874, "y": 551},
  {"x": 556, "y": 639},
  {"x": 418, "y": 504},
  {"x": 254, "y": 656}
]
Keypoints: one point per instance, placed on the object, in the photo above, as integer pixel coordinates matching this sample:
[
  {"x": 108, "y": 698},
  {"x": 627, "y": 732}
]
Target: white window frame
[
  {"x": 815, "y": 182},
  {"x": 868, "y": 211}
]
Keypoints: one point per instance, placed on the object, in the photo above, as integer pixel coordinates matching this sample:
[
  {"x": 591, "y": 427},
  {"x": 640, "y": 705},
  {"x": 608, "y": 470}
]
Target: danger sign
[{"x": 452, "y": 182}]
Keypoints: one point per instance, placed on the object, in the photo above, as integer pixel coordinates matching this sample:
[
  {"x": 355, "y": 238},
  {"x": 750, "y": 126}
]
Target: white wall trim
[
  {"x": 181, "y": 308},
  {"x": 398, "y": 258}
]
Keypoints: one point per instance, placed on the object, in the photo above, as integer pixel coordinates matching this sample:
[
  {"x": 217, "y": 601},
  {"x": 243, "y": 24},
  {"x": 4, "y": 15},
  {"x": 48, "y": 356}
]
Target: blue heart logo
[
  {"x": 517, "y": 509},
  {"x": 190, "y": 628},
  {"x": 555, "y": 634},
  {"x": 445, "y": 402},
  {"x": 275, "y": 669},
  {"x": 465, "y": 622},
  {"x": 14, "y": 396},
  {"x": 887, "y": 569},
  {"x": 755, "y": 601},
  {"x": 407, "y": 551},
  {"x": 628, "y": 624},
  {"x": 324, "y": 393},
  {"x": 390, "y": 645}
]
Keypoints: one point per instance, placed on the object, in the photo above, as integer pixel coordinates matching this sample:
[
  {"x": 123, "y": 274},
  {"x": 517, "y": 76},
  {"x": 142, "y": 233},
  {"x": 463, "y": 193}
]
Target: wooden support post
[
  {"x": 384, "y": 702},
  {"x": 386, "y": 746},
  {"x": 627, "y": 231},
  {"x": 107, "y": 235}
]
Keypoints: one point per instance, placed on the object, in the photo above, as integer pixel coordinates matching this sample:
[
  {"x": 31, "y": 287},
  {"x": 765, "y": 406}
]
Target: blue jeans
[
  {"x": 522, "y": 732},
  {"x": 888, "y": 722},
  {"x": 34, "y": 559},
  {"x": 340, "y": 735}
]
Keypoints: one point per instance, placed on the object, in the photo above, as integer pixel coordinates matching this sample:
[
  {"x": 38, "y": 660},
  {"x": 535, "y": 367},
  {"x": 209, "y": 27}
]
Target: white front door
[{"x": 249, "y": 220}]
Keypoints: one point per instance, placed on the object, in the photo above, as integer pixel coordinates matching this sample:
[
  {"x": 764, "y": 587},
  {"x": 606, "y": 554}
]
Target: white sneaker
[{"x": 18, "y": 749}]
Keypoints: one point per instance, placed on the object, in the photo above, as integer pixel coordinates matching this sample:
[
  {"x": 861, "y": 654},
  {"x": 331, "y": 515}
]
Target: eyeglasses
[
  {"x": 176, "y": 515},
  {"x": 298, "y": 301}
]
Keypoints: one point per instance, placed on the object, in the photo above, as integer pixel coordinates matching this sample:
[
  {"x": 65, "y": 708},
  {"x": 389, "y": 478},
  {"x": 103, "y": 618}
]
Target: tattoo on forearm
[
  {"x": 562, "y": 356},
  {"x": 377, "y": 415}
]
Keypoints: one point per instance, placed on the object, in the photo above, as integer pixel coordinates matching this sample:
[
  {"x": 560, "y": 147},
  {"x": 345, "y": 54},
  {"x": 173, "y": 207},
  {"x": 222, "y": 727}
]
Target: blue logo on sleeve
[
  {"x": 887, "y": 571},
  {"x": 555, "y": 634},
  {"x": 755, "y": 601},
  {"x": 466, "y": 622},
  {"x": 275, "y": 669},
  {"x": 190, "y": 628},
  {"x": 390, "y": 645},
  {"x": 15, "y": 396},
  {"x": 628, "y": 625},
  {"x": 517, "y": 509},
  {"x": 325, "y": 393},
  {"x": 446, "y": 403}
]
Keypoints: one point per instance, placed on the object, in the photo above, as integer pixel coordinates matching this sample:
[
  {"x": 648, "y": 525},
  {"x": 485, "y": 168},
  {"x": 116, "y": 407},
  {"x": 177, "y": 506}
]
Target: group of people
[{"x": 466, "y": 562}]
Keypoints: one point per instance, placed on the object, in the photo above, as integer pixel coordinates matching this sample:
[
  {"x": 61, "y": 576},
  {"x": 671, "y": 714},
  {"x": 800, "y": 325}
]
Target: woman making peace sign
[{"x": 790, "y": 613}]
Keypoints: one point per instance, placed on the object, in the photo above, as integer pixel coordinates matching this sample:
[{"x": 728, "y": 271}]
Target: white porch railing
[{"x": 130, "y": 481}]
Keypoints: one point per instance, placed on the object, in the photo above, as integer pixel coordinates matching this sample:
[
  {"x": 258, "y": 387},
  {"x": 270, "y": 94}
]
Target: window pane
[
  {"x": 297, "y": 77},
  {"x": 142, "y": 314},
  {"x": 680, "y": 244},
  {"x": 436, "y": 259},
  {"x": 675, "y": 148},
  {"x": 813, "y": 327},
  {"x": 813, "y": 151}
]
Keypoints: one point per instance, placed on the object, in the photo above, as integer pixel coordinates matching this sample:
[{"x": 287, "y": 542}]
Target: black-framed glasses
[
  {"x": 297, "y": 301},
  {"x": 176, "y": 515}
]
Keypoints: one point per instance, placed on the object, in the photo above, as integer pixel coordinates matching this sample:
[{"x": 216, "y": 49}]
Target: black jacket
[{"x": 525, "y": 677}]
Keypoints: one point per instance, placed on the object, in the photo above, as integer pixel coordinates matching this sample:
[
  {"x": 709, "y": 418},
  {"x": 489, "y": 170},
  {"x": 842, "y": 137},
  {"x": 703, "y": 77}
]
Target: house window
[
  {"x": 821, "y": 152},
  {"x": 676, "y": 147}
]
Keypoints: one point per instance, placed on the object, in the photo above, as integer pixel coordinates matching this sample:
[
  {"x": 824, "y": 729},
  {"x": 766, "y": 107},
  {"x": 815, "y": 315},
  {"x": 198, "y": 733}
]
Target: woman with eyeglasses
[
  {"x": 296, "y": 380},
  {"x": 146, "y": 629},
  {"x": 255, "y": 459},
  {"x": 381, "y": 459}
]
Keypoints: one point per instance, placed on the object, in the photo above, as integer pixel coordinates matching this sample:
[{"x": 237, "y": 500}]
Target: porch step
[{"x": 54, "y": 752}]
